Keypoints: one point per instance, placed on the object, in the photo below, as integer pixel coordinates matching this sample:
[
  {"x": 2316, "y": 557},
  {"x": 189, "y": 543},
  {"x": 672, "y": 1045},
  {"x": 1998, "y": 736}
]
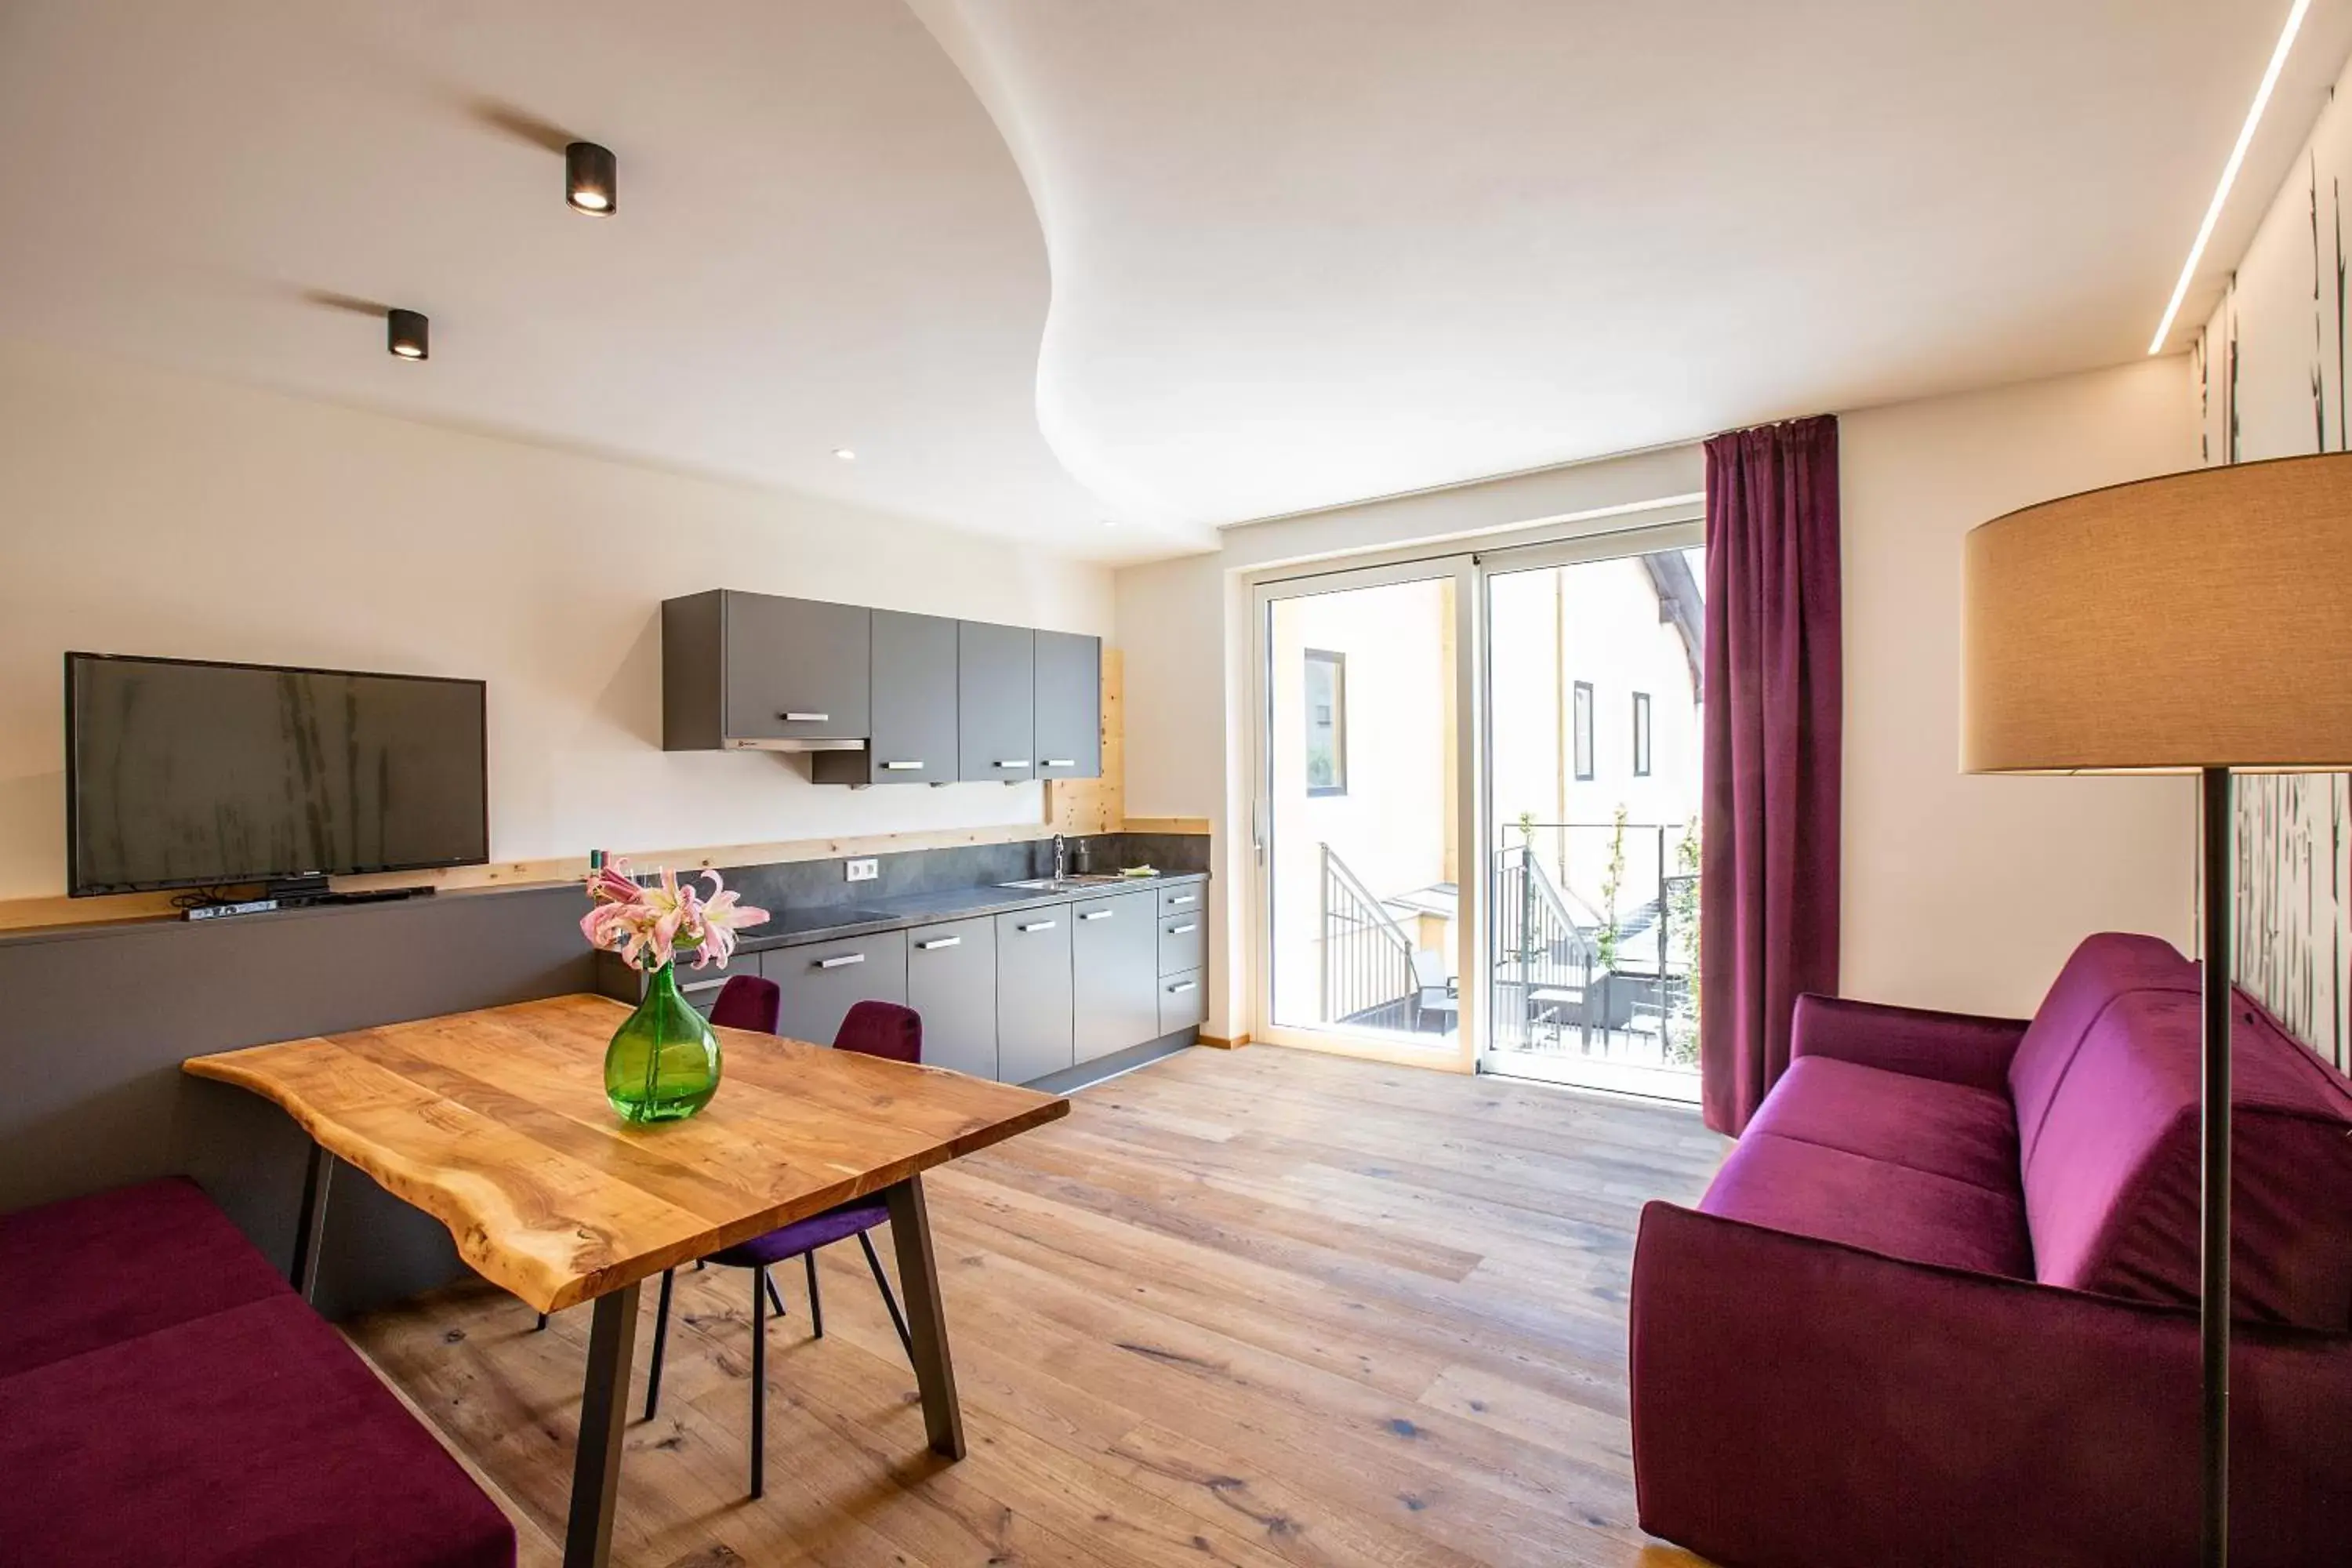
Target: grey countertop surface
[{"x": 835, "y": 923}]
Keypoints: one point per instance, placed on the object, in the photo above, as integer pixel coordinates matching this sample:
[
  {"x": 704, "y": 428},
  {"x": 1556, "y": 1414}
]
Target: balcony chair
[{"x": 874, "y": 1029}]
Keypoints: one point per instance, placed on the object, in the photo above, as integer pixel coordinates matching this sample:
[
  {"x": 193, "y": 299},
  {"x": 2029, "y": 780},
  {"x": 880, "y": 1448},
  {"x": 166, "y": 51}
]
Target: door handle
[
  {"x": 1182, "y": 986},
  {"x": 1097, "y": 914},
  {"x": 902, "y": 767},
  {"x": 808, "y": 717},
  {"x": 1175, "y": 899},
  {"x": 1035, "y": 925},
  {"x": 1187, "y": 928},
  {"x": 703, "y": 986},
  {"x": 840, "y": 960},
  {"x": 938, "y": 941},
  {"x": 1015, "y": 763},
  {"x": 1061, "y": 761}
]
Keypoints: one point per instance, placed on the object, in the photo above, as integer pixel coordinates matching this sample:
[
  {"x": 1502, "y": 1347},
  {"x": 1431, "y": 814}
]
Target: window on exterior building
[
  {"x": 1641, "y": 734},
  {"x": 1327, "y": 722},
  {"x": 1580, "y": 730}
]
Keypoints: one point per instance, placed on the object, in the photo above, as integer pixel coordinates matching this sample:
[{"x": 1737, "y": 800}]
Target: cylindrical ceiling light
[
  {"x": 591, "y": 179},
  {"x": 404, "y": 334}
]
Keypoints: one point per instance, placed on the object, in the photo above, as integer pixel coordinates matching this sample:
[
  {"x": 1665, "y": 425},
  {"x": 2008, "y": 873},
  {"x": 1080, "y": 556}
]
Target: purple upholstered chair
[
  {"x": 745, "y": 1001},
  {"x": 874, "y": 1029}
]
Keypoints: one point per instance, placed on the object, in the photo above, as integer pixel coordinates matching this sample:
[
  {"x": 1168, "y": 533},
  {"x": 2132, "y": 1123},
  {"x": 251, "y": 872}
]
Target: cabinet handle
[
  {"x": 1187, "y": 928},
  {"x": 902, "y": 767},
  {"x": 808, "y": 717},
  {"x": 838, "y": 960},
  {"x": 1175, "y": 899},
  {"x": 1061, "y": 761},
  {"x": 1182, "y": 985},
  {"x": 1096, "y": 914},
  {"x": 1015, "y": 763},
  {"x": 938, "y": 941},
  {"x": 1034, "y": 925},
  {"x": 703, "y": 986}
]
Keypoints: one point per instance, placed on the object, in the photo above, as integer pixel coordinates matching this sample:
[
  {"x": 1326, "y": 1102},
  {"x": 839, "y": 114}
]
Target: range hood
[{"x": 798, "y": 743}]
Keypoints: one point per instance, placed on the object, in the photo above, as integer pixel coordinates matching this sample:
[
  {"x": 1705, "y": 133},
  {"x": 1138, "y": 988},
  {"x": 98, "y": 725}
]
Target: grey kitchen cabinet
[
  {"x": 1069, "y": 706},
  {"x": 913, "y": 706},
  {"x": 1183, "y": 941},
  {"x": 756, "y": 671},
  {"x": 1033, "y": 993},
  {"x": 996, "y": 702},
  {"x": 1115, "y": 965},
  {"x": 821, "y": 981},
  {"x": 1183, "y": 1002},
  {"x": 952, "y": 981}
]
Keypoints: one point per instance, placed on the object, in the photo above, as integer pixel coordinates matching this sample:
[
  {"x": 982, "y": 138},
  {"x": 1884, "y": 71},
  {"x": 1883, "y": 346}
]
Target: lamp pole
[{"x": 2213, "y": 1304}]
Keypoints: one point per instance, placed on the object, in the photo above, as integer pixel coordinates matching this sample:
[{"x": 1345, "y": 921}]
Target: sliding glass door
[
  {"x": 1363, "y": 817},
  {"x": 1477, "y": 805}
]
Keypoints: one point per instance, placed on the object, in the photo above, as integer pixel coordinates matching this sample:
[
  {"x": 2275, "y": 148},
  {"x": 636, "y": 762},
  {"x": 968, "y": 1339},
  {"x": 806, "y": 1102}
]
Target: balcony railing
[{"x": 1366, "y": 969}]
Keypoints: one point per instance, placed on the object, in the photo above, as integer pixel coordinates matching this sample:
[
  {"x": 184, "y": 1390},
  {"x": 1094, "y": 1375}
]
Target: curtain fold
[{"x": 1774, "y": 695}]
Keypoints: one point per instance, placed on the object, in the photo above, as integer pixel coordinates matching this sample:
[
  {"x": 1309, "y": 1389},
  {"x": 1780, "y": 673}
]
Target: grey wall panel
[{"x": 97, "y": 1020}]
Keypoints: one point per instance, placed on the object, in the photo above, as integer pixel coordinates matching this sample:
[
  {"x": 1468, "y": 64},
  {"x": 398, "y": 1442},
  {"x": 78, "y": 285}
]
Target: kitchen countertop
[{"x": 833, "y": 922}]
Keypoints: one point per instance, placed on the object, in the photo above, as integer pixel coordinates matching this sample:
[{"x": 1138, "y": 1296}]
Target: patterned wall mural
[{"x": 2270, "y": 377}]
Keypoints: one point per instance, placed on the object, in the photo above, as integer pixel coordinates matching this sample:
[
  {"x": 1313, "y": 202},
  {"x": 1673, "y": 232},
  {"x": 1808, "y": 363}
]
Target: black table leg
[
  {"x": 311, "y": 1227},
  {"x": 596, "y": 1462},
  {"x": 919, "y": 1281}
]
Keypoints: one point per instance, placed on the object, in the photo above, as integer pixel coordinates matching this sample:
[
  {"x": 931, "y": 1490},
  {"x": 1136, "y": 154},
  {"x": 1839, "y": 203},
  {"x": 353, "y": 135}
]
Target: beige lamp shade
[{"x": 2197, "y": 620}]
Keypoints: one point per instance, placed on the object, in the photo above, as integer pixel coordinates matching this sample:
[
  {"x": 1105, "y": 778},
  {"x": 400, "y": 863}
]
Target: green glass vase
[{"x": 663, "y": 1063}]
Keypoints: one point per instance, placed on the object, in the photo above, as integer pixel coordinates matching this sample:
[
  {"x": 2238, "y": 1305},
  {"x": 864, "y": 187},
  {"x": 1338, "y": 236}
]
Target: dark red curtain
[{"x": 1774, "y": 695}]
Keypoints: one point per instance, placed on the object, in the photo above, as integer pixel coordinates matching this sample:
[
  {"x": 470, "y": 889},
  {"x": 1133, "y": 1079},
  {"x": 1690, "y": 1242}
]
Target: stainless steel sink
[{"x": 1068, "y": 884}]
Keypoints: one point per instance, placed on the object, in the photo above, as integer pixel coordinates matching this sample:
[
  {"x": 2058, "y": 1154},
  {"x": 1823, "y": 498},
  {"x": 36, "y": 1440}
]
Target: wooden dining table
[{"x": 495, "y": 1122}]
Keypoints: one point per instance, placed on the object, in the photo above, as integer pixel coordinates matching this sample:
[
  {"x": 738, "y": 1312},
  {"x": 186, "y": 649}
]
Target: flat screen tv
[{"x": 183, "y": 773}]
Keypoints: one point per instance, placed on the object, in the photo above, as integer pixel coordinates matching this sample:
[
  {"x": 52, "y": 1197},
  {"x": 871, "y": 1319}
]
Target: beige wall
[
  {"x": 153, "y": 513},
  {"x": 1965, "y": 892}
]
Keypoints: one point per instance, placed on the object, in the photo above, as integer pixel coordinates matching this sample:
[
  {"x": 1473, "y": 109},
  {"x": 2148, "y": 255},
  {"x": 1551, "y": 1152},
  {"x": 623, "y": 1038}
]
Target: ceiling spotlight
[
  {"x": 404, "y": 334},
  {"x": 844, "y": 453},
  {"x": 591, "y": 179}
]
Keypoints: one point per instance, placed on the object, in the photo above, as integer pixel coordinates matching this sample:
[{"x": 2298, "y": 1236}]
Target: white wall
[
  {"x": 144, "y": 512},
  {"x": 1963, "y": 892}
]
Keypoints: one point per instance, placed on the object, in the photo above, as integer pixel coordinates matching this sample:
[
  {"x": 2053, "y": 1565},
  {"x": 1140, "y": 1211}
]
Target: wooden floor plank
[{"x": 1264, "y": 1308}]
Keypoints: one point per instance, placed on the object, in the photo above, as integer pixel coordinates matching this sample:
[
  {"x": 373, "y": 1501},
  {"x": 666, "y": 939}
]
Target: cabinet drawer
[
  {"x": 952, "y": 981},
  {"x": 822, "y": 981},
  {"x": 1184, "y": 898},
  {"x": 1183, "y": 1001},
  {"x": 1183, "y": 942}
]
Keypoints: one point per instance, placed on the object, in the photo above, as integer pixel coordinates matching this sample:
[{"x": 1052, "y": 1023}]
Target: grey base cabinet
[
  {"x": 952, "y": 981},
  {"x": 1115, "y": 959},
  {"x": 1033, "y": 993},
  {"x": 1183, "y": 1002},
  {"x": 822, "y": 981}
]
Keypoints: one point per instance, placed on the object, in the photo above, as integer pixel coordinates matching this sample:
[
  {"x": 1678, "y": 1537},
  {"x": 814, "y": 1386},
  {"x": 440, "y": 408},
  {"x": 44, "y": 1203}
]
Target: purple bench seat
[
  {"x": 1939, "y": 1305},
  {"x": 166, "y": 1400}
]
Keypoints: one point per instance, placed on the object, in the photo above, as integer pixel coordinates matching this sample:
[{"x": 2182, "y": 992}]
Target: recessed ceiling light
[
  {"x": 844, "y": 453},
  {"x": 2230, "y": 173},
  {"x": 591, "y": 179},
  {"x": 405, "y": 334}
]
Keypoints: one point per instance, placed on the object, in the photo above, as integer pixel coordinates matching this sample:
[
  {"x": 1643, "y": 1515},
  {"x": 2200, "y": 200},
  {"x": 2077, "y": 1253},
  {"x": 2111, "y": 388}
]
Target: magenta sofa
[
  {"x": 1938, "y": 1307},
  {"x": 166, "y": 1400}
]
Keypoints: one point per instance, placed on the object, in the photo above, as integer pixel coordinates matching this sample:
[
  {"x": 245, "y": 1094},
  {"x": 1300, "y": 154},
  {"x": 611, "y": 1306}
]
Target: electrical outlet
[{"x": 865, "y": 870}]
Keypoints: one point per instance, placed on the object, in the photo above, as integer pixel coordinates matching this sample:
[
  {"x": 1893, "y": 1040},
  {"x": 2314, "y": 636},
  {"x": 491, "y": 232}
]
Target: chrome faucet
[{"x": 1061, "y": 858}]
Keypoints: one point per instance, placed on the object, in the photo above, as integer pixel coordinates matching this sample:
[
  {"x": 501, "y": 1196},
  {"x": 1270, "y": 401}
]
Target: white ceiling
[{"x": 1172, "y": 263}]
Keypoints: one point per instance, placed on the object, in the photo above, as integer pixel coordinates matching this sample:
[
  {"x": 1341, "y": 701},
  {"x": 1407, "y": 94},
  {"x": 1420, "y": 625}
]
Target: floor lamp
[{"x": 2198, "y": 623}]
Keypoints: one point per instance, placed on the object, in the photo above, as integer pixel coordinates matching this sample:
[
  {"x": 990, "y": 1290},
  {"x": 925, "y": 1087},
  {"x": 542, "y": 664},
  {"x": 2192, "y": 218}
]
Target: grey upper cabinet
[
  {"x": 1069, "y": 706},
  {"x": 1115, "y": 972},
  {"x": 821, "y": 981},
  {"x": 952, "y": 981},
  {"x": 753, "y": 670},
  {"x": 914, "y": 702},
  {"x": 1033, "y": 993},
  {"x": 996, "y": 702}
]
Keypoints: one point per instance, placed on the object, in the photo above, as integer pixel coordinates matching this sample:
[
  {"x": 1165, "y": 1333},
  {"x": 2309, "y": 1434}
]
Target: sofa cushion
[
  {"x": 1835, "y": 1194},
  {"x": 251, "y": 1437},
  {"x": 1924, "y": 1124},
  {"x": 91, "y": 1271},
  {"x": 2104, "y": 967},
  {"x": 2112, "y": 1190}
]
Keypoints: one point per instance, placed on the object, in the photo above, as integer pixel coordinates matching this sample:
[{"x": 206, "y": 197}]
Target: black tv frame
[{"x": 280, "y": 887}]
